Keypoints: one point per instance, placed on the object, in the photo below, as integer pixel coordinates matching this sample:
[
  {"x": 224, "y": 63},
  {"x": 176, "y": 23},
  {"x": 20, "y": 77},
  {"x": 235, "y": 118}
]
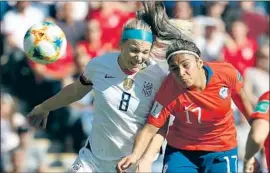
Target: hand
[
  {"x": 144, "y": 165},
  {"x": 251, "y": 165},
  {"x": 125, "y": 163},
  {"x": 38, "y": 115}
]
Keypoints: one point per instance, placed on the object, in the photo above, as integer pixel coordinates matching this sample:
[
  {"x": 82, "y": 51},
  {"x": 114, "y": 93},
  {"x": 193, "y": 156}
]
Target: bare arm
[
  {"x": 256, "y": 137},
  {"x": 156, "y": 143},
  {"x": 243, "y": 104},
  {"x": 67, "y": 95},
  {"x": 141, "y": 142},
  {"x": 143, "y": 139}
]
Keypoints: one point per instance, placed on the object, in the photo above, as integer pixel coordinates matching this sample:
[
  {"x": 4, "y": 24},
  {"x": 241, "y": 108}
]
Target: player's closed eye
[
  {"x": 134, "y": 50},
  {"x": 145, "y": 52},
  {"x": 186, "y": 65}
]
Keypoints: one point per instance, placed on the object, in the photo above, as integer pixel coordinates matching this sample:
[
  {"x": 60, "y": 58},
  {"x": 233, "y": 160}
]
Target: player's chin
[{"x": 186, "y": 84}]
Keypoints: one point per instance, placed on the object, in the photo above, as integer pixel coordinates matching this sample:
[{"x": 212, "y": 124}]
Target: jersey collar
[{"x": 209, "y": 73}]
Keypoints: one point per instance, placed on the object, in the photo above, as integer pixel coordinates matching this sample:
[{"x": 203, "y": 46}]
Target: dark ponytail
[{"x": 154, "y": 14}]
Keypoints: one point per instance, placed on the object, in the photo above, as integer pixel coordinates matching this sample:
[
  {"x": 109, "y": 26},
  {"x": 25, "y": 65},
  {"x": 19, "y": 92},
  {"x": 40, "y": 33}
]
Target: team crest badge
[
  {"x": 128, "y": 83},
  {"x": 223, "y": 92},
  {"x": 147, "y": 88}
]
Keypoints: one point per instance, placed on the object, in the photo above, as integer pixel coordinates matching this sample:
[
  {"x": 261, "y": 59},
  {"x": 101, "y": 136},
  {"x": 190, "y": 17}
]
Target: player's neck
[{"x": 202, "y": 82}]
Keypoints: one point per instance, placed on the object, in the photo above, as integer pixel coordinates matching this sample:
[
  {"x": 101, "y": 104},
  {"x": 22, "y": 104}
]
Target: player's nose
[
  {"x": 139, "y": 58},
  {"x": 182, "y": 72}
]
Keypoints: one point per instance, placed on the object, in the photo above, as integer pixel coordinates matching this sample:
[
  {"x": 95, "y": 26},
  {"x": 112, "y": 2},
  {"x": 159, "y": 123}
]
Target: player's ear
[{"x": 199, "y": 63}]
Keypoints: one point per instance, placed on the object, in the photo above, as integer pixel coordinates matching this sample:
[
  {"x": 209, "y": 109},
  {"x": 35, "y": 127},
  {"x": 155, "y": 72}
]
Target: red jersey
[
  {"x": 262, "y": 112},
  {"x": 94, "y": 52},
  {"x": 203, "y": 120}
]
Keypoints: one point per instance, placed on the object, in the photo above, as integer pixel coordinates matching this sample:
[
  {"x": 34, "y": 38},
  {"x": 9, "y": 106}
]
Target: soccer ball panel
[{"x": 45, "y": 43}]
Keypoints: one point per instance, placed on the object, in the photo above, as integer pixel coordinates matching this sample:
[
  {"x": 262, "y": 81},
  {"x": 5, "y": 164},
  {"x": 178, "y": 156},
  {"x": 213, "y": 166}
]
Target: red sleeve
[
  {"x": 161, "y": 108},
  {"x": 158, "y": 115},
  {"x": 262, "y": 108},
  {"x": 233, "y": 78}
]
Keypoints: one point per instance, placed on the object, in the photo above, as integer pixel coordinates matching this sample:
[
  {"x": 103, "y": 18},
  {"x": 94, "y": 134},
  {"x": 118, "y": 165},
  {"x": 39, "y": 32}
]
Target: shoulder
[
  {"x": 224, "y": 71},
  {"x": 220, "y": 66}
]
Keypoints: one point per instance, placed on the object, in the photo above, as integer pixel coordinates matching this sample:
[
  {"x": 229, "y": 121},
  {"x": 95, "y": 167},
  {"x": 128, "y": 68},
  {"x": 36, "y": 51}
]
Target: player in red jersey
[
  {"x": 259, "y": 133},
  {"x": 202, "y": 137}
]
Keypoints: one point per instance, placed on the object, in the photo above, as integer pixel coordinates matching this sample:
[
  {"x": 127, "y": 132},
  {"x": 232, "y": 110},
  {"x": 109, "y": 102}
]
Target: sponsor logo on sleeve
[
  {"x": 156, "y": 109},
  {"x": 262, "y": 107}
]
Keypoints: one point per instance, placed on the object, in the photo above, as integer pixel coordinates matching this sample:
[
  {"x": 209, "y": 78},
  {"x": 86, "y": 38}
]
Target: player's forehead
[
  {"x": 181, "y": 58},
  {"x": 138, "y": 44}
]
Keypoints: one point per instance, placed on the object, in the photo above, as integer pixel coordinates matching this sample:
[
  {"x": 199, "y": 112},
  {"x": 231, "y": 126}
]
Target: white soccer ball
[{"x": 45, "y": 43}]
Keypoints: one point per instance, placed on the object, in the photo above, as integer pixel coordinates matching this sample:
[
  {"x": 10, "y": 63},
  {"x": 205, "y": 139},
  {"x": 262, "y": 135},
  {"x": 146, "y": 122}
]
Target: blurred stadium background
[{"x": 237, "y": 32}]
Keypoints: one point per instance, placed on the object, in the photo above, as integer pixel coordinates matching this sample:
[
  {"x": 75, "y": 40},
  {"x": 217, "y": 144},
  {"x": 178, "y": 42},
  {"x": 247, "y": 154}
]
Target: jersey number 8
[{"x": 124, "y": 101}]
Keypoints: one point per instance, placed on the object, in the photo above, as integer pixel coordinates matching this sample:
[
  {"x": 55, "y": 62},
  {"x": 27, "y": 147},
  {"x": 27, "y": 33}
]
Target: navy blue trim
[
  {"x": 84, "y": 81},
  {"x": 209, "y": 73}
]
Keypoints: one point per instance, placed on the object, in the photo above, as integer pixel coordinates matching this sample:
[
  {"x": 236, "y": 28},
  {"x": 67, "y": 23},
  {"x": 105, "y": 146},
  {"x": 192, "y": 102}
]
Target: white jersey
[{"x": 121, "y": 104}]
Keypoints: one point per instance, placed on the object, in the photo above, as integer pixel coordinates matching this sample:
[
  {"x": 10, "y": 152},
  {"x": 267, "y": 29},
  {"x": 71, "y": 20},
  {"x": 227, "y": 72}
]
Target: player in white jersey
[{"x": 124, "y": 90}]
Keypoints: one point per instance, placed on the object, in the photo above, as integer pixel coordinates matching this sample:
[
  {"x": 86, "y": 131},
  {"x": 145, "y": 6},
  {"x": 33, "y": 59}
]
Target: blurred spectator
[
  {"x": 241, "y": 51},
  {"x": 73, "y": 29},
  {"x": 211, "y": 41},
  {"x": 93, "y": 45},
  {"x": 212, "y": 31},
  {"x": 10, "y": 121},
  {"x": 215, "y": 9},
  {"x": 169, "y": 5},
  {"x": 24, "y": 15},
  {"x": 4, "y": 8},
  {"x": 183, "y": 10},
  {"x": 27, "y": 158},
  {"x": 111, "y": 21},
  {"x": 198, "y": 7},
  {"x": 81, "y": 116},
  {"x": 50, "y": 79},
  {"x": 246, "y": 11},
  {"x": 263, "y": 39},
  {"x": 253, "y": 19},
  {"x": 16, "y": 75},
  {"x": 257, "y": 78}
]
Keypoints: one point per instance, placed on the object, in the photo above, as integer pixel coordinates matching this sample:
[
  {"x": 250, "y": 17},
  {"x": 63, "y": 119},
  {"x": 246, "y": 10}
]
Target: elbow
[
  {"x": 259, "y": 131},
  {"x": 149, "y": 131},
  {"x": 257, "y": 138}
]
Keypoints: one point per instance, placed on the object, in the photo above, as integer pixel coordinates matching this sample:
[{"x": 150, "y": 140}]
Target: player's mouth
[
  {"x": 135, "y": 65},
  {"x": 185, "y": 81}
]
